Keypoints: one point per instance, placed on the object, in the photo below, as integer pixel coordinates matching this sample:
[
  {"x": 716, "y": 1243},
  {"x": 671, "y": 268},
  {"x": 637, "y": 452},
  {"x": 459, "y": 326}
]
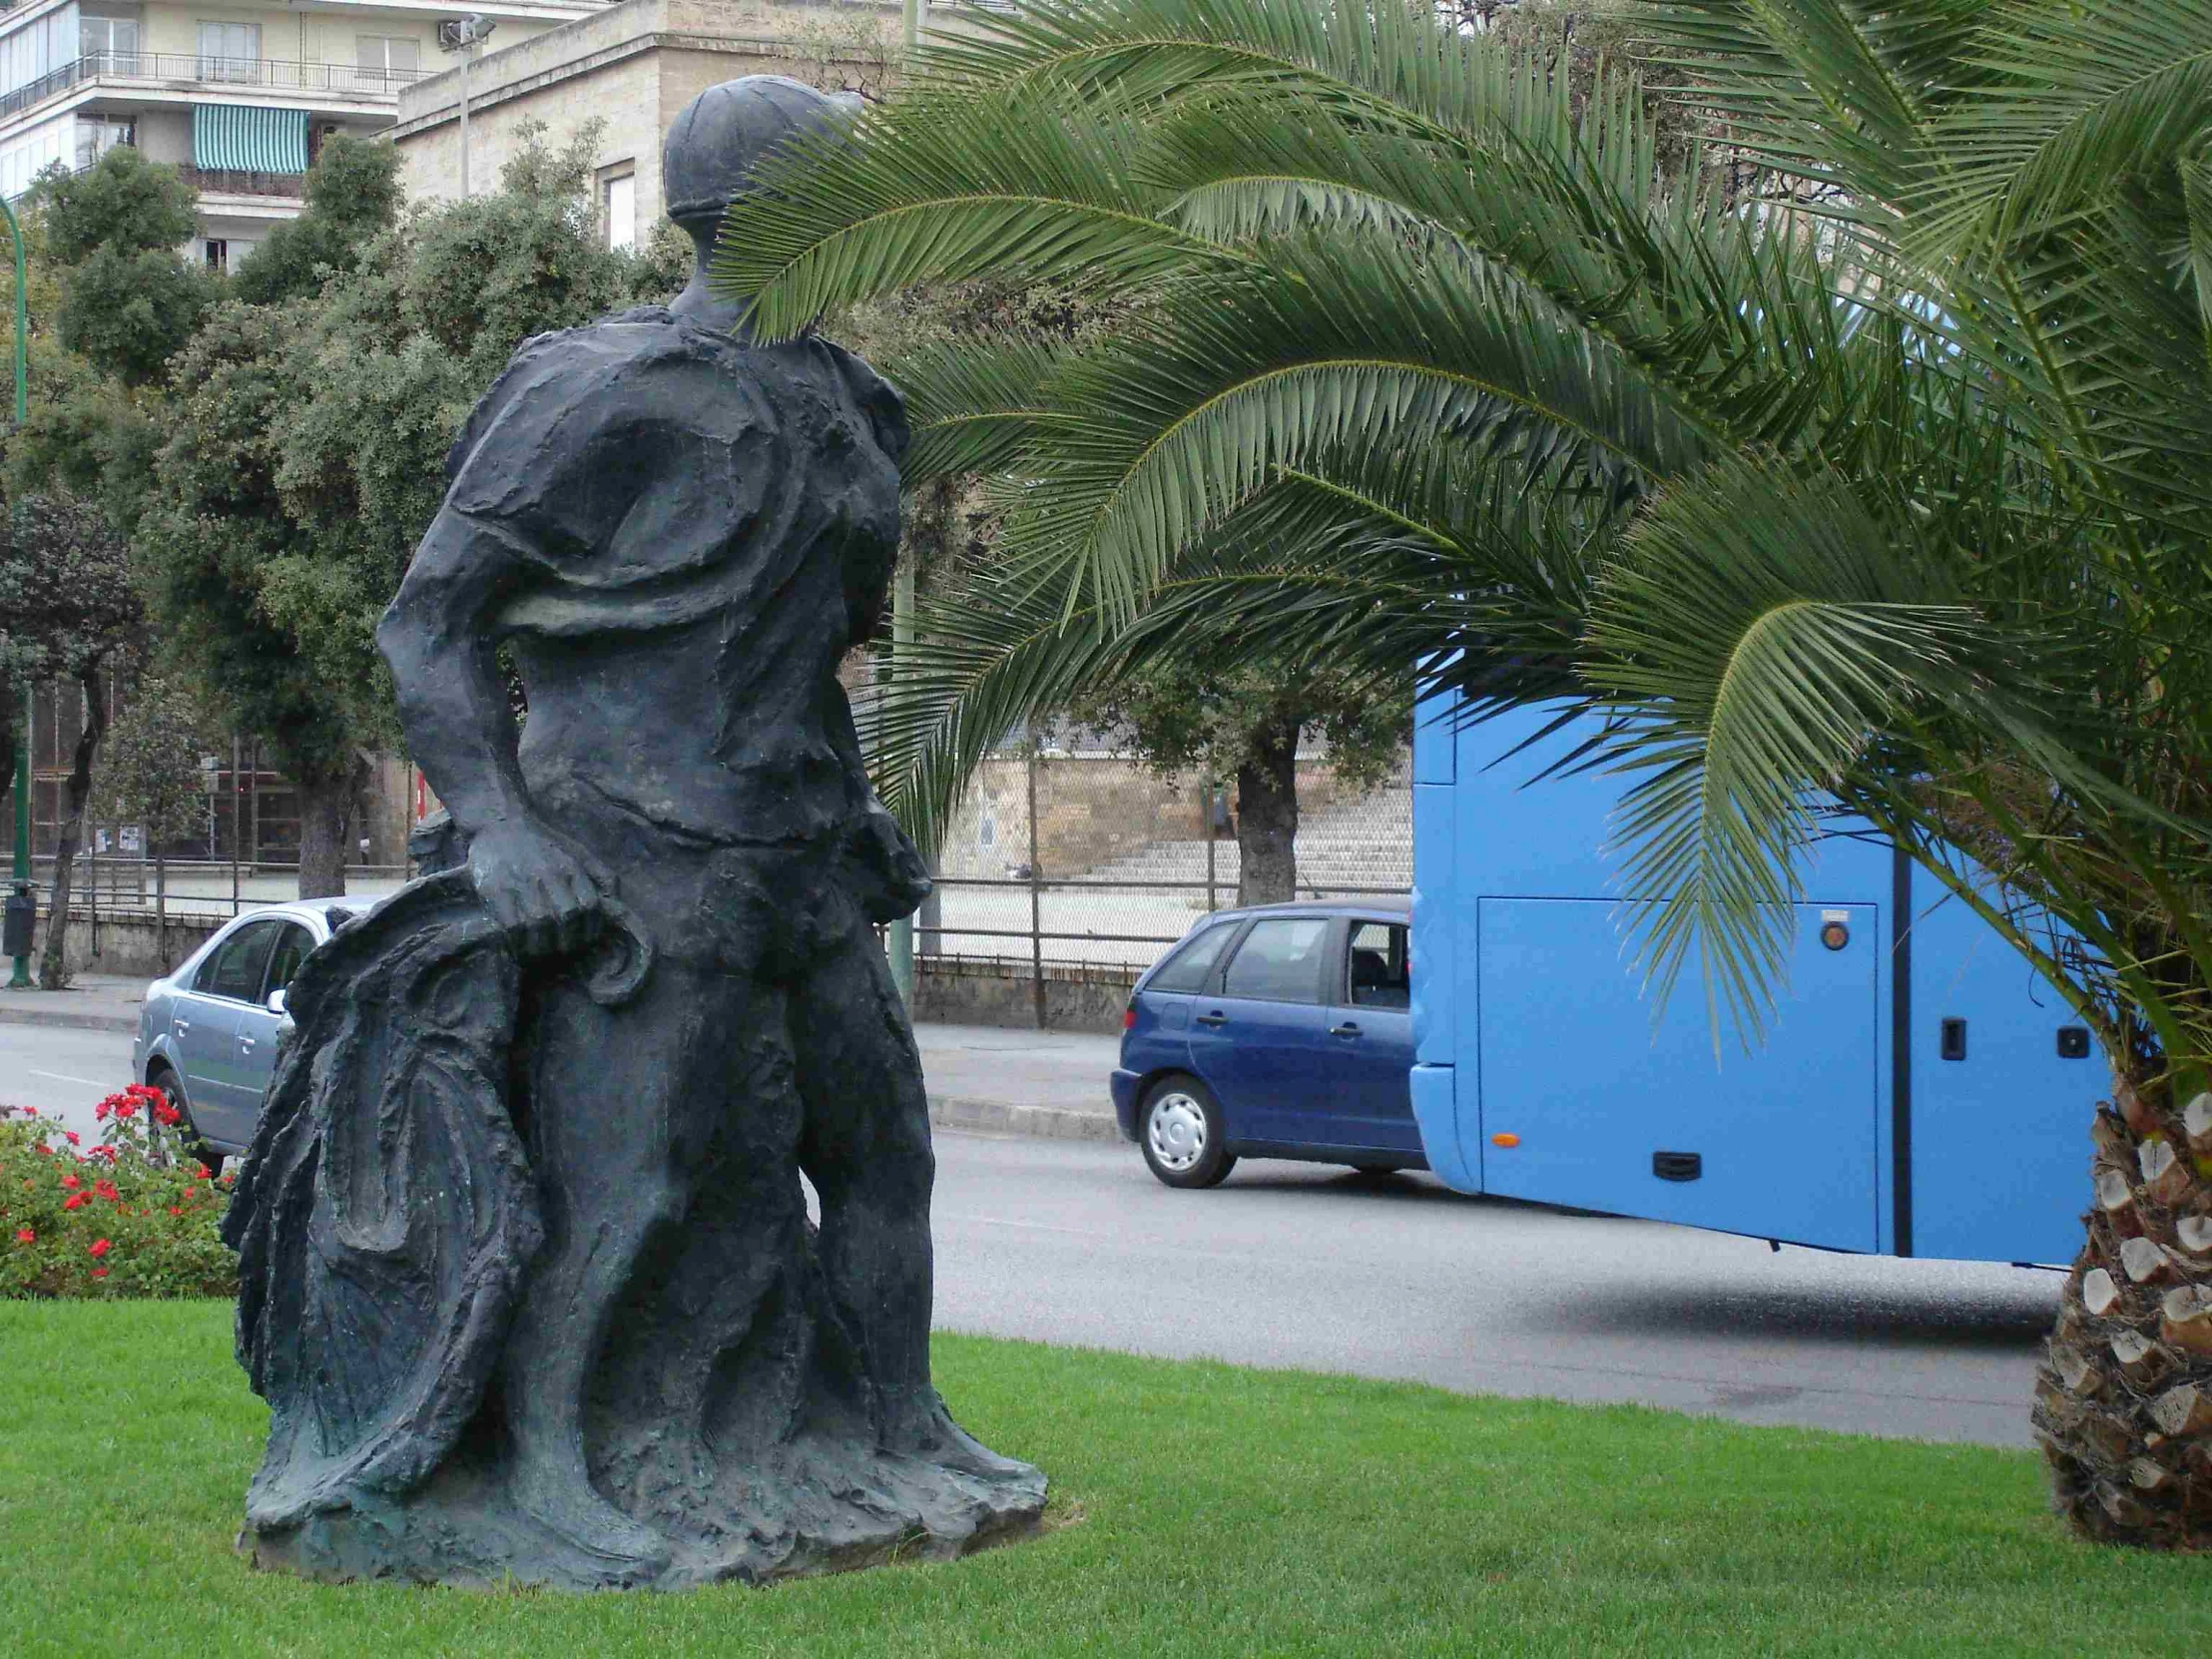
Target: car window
[
  {"x": 235, "y": 970},
  {"x": 1280, "y": 961},
  {"x": 1191, "y": 966},
  {"x": 290, "y": 951},
  {"x": 1378, "y": 974}
]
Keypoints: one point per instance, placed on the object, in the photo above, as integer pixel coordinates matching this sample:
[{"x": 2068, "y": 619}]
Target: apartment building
[{"x": 240, "y": 95}]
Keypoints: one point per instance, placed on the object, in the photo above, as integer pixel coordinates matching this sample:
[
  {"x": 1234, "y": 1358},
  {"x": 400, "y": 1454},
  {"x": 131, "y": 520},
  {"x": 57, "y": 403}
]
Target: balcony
[
  {"x": 233, "y": 181},
  {"x": 191, "y": 73}
]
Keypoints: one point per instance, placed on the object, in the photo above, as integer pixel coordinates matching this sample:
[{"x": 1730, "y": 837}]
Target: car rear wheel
[
  {"x": 162, "y": 1078},
  {"x": 1180, "y": 1129}
]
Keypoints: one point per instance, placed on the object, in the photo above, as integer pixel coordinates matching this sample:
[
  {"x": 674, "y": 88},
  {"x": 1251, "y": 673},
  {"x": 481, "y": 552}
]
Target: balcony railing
[
  {"x": 192, "y": 70},
  {"x": 230, "y": 181}
]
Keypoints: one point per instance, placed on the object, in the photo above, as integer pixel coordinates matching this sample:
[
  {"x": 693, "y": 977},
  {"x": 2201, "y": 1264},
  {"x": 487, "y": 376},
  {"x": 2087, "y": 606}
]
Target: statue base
[{"x": 817, "y": 1510}]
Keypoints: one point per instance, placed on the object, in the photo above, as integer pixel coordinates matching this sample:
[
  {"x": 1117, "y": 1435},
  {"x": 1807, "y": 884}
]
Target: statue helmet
[{"x": 721, "y": 136}]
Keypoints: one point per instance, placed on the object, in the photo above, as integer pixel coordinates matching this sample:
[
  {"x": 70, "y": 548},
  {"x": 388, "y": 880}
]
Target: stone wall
[
  {"x": 947, "y": 991},
  {"x": 953, "y": 991},
  {"x": 1092, "y": 808},
  {"x": 130, "y": 944}
]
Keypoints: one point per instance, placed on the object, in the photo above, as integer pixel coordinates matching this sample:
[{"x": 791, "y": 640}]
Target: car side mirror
[{"x": 277, "y": 1002}]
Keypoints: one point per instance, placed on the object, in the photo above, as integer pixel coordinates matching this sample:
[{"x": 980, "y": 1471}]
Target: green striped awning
[{"x": 237, "y": 138}]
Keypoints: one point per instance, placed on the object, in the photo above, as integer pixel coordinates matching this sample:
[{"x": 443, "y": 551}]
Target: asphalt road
[{"x": 1314, "y": 1269}]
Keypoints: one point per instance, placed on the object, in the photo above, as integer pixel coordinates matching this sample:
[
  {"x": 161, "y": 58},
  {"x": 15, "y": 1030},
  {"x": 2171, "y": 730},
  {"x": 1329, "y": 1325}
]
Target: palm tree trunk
[
  {"x": 325, "y": 813},
  {"x": 1266, "y": 818},
  {"x": 53, "y": 968},
  {"x": 2124, "y": 1400}
]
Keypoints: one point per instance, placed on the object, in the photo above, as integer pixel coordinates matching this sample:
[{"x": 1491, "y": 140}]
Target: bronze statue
[{"x": 529, "y": 1279}]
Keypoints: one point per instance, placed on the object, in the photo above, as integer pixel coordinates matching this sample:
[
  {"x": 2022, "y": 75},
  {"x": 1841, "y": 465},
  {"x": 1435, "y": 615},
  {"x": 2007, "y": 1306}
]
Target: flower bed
[{"x": 133, "y": 1214}]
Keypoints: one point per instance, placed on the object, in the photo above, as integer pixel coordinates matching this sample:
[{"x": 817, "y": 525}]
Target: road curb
[
  {"x": 1004, "y": 1117},
  {"x": 994, "y": 1117},
  {"x": 67, "y": 1020}
]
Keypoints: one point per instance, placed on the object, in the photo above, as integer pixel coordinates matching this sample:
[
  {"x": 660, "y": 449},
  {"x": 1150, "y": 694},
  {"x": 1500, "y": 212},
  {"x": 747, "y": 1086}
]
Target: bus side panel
[
  {"x": 2000, "y": 1138},
  {"x": 1609, "y": 1112}
]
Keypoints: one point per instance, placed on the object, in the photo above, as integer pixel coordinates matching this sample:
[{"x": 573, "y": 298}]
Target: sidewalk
[{"x": 1004, "y": 1082}]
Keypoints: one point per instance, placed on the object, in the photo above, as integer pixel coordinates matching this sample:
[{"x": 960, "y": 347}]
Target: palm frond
[{"x": 1757, "y": 627}]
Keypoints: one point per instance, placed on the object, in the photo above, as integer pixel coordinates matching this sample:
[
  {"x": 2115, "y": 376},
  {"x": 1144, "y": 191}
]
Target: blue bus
[{"x": 1922, "y": 1091}]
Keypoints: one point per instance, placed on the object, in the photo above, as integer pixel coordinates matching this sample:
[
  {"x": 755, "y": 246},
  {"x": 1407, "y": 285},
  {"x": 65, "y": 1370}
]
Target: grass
[{"x": 1218, "y": 1511}]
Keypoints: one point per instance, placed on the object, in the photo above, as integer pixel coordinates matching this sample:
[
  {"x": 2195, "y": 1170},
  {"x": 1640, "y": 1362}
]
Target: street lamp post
[
  {"x": 21, "y": 978},
  {"x": 466, "y": 36}
]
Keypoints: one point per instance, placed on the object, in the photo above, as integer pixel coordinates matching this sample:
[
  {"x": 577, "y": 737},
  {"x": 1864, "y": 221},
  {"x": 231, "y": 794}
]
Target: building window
[
  {"x": 618, "y": 204},
  {"x": 230, "y": 51},
  {"x": 111, "y": 44},
  {"x": 97, "y": 135},
  {"x": 216, "y": 253},
  {"x": 44, "y": 47},
  {"x": 386, "y": 59}
]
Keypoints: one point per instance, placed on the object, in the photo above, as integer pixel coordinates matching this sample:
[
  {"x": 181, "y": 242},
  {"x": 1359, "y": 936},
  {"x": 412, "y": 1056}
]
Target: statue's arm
[{"x": 441, "y": 639}]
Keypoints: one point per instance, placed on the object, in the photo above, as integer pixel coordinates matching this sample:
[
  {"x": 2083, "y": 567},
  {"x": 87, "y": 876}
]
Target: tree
[
  {"x": 1242, "y": 722},
  {"x": 1871, "y": 470},
  {"x": 152, "y": 775},
  {"x": 353, "y": 196},
  {"x": 70, "y": 616},
  {"x": 130, "y": 301}
]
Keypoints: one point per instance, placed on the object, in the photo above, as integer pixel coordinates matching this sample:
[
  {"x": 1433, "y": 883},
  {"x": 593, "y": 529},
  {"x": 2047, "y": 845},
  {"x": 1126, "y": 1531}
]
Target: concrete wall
[
  {"x": 130, "y": 945},
  {"x": 988, "y": 993}
]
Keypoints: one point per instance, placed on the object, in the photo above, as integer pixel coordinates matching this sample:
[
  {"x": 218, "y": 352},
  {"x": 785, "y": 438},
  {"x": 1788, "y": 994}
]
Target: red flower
[
  {"x": 77, "y": 1201},
  {"x": 107, "y": 1190},
  {"x": 23, "y": 1234},
  {"x": 70, "y": 1183},
  {"x": 98, "y": 1248},
  {"x": 166, "y": 1115},
  {"x": 99, "y": 1272},
  {"x": 70, "y": 1135},
  {"x": 101, "y": 1111},
  {"x": 175, "y": 1210}
]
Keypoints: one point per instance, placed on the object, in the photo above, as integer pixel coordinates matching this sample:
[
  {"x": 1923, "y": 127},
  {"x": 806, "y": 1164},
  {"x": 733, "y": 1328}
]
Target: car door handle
[
  {"x": 1215, "y": 1018},
  {"x": 246, "y": 1044},
  {"x": 1348, "y": 1029},
  {"x": 180, "y": 1026}
]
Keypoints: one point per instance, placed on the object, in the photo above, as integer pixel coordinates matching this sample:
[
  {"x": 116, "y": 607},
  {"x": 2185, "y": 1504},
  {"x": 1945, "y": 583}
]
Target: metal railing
[
  {"x": 194, "y": 69},
  {"x": 230, "y": 181},
  {"x": 190, "y": 890}
]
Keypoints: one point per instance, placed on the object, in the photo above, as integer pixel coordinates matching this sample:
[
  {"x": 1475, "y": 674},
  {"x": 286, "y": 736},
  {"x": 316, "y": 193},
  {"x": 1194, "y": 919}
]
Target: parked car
[
  {"x": 207, "y": 1034},
  {"x": 1277, "y": 1031}
]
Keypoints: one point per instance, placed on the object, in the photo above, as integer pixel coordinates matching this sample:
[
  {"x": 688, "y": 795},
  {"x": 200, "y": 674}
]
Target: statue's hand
[{"x": 536, "y": 886}]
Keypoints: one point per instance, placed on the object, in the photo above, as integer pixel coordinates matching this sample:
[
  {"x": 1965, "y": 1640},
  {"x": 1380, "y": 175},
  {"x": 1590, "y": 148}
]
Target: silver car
[{"x": 207, "y": 1035}]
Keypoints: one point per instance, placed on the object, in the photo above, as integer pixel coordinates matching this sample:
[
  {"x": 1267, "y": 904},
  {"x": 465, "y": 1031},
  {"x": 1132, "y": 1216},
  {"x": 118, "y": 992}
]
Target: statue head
[
  {"x": 725, "y": 133},
  {"x": 719, "y": 141}
]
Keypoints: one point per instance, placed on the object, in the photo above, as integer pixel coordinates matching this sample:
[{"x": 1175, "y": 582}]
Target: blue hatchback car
[{"x": 1278, "y": 1031}]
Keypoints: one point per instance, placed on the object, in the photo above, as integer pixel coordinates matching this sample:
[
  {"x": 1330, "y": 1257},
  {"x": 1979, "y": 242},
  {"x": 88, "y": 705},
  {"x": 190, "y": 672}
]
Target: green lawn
[{"x": 1214, "y": 1511}]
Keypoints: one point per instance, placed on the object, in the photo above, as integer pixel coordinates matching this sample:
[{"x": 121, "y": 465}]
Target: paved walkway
[{"x": 1050, "y": 1083}]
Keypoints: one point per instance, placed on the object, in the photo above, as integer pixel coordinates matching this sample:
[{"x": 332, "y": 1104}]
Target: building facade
[
  {"x": 240, "y": 95},
  {"x": 631, "y": 68}
]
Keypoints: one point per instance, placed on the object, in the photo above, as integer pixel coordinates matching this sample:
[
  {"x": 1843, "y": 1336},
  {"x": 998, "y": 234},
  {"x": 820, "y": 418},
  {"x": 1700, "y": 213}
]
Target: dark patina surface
[{"x": 529, "y": 1278}]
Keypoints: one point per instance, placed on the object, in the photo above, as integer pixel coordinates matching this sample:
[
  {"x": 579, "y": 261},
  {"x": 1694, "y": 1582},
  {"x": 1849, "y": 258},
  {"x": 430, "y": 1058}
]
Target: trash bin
[{"x": 22, "y": 921}]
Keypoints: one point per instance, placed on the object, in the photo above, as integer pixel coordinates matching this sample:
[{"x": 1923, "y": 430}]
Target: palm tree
[{"x": 1866, "y": 469}]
